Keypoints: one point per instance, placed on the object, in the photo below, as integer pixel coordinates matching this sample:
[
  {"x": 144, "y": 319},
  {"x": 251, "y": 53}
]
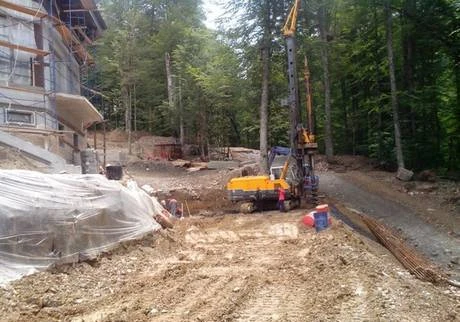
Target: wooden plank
[
  {"x": 88, "y": 4},
  {"x": 19, "y": 8},
  {"x": 24, "y": 48},
  {"x": 83, "y": 34}
]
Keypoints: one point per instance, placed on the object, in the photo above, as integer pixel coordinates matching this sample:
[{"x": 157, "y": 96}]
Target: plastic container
[
  {"x": 322, "y": 208},
  {"x": 309, "y": 220},
  {"x": 321, "y": 217},
  {"x": 114, "y": 172}
]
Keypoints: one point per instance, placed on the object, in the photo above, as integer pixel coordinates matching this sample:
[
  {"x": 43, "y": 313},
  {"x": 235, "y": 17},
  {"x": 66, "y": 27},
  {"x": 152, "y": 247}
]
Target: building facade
[{"x": 42, "y": 57}]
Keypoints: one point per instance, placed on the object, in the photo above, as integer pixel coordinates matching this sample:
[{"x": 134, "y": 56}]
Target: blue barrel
[{"x": 320, "y": 220}]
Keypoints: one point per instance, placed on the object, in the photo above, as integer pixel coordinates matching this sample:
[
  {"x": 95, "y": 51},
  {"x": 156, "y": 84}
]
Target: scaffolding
[{"x": 43, "y": 53}]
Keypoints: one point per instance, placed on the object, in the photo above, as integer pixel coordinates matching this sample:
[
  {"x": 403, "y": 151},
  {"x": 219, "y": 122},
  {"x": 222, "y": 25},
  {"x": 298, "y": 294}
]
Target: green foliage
[{"x": 217, "y": 75}]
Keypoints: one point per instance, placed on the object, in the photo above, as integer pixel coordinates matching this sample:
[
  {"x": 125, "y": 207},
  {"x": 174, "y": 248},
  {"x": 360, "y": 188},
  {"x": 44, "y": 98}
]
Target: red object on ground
[{"x": 309, "y": 219}]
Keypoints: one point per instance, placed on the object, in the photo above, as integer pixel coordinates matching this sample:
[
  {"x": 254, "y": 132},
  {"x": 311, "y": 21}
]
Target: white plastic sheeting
[{"x": 47, "y": 219}]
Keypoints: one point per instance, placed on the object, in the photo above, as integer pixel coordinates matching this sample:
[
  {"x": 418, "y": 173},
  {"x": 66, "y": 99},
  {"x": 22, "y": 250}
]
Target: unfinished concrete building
[{"x": 42, "y": 57}]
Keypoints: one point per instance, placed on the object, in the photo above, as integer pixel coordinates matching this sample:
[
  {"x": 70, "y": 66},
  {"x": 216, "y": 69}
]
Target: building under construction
[{"x": 42, "y": 57}]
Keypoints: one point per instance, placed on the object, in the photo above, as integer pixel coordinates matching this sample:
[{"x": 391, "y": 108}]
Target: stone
[{"x": 404, "y": 174}]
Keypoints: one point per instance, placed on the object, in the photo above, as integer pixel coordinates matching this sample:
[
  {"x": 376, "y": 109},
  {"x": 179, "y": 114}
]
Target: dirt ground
[
  {"x": 218, "y": 265},
  {"x": 263, "y": 267}
]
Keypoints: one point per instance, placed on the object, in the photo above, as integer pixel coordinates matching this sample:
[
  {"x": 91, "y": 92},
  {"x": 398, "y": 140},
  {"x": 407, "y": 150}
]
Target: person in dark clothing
[{"x": 172, "y": 206}]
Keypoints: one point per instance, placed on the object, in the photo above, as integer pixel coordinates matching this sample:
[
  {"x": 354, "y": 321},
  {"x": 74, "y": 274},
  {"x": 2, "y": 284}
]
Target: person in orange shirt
[{"x": 281, "y": 198}]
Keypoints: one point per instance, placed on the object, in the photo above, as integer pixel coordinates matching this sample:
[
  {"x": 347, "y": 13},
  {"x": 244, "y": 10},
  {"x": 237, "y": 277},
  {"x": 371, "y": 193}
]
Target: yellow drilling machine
[{"x": 296, "y": 175}]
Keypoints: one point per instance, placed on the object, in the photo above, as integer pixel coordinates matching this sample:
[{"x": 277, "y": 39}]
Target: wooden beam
[
  {"x": 24, "y": 48},
  {"x": 28, "y": 89},
  {"x": 23, "y": 9},
  {"x": 79, "y": 10},
  {"x": 82, "y": 33}
]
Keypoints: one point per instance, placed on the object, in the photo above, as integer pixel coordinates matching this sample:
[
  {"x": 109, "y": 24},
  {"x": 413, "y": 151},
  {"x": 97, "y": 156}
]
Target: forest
[{"x": 378, "y": 68}]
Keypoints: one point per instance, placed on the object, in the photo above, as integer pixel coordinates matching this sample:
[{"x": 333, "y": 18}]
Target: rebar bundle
[{"x": 411, "y": 259}]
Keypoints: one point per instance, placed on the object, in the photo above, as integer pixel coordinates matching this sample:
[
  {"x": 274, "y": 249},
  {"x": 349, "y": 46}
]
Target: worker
[
  {"x": 171, "y": 206},
  {"x": 281, "y": 198}
]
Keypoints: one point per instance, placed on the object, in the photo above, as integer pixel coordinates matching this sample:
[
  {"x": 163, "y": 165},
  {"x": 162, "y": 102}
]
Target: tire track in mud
[
  {"x": 279, "y": 301},
  {"x": 253, "y": 269}
]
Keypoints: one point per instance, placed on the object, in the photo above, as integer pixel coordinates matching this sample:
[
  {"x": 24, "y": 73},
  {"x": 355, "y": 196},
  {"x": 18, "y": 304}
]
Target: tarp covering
[{"x": 47, "y": 219}]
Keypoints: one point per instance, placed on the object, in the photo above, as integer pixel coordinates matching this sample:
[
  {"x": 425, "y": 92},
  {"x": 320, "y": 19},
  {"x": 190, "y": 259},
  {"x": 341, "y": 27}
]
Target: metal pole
[
  {"x": 293, "y": 91},
  {"x": 103, "y": 129},
  {"x": 94, "y": 136}
]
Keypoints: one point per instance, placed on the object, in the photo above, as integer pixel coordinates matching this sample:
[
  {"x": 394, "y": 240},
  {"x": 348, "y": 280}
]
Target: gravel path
[{"x": 440, "y": 247}]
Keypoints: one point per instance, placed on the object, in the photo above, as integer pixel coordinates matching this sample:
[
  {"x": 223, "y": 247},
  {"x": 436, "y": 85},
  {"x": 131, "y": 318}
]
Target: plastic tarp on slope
[{"x": 47, "y": 219}]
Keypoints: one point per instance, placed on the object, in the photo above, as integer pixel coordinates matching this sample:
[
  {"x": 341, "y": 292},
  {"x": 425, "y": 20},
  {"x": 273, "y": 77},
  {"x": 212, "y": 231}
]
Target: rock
[
  {"x": 427, "y": 175},
  {"x": 455, "y": 260},
  {"x": 426, "y": 187},
  {"x": 404, "y": 174},
  {"x": 153, "y": 311}
]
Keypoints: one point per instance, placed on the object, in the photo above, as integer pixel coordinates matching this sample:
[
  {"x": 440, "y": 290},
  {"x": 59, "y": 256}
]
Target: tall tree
[
  {"x": 394, "y": 97},
  {"x": 264, "y": 98},
  {"x": 230, "y": 77},
  {"x": 324, "y": 34}
]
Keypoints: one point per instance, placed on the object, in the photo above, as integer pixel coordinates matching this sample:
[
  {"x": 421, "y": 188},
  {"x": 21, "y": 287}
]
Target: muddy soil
[{"x": 235, "y": 268}]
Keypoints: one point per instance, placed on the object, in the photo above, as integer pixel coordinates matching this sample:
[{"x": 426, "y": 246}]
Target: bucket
[
  {"x": 322, "y": 208},
  {"x": 321, "y": 217},
  {"x": 114, "y": 172}
]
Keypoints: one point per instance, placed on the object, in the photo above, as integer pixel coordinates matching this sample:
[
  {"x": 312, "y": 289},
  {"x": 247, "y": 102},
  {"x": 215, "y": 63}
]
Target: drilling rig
[{"x": 297, "y": 175}]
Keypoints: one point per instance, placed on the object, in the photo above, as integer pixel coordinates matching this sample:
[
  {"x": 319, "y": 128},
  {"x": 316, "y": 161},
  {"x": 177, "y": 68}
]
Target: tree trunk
[
  {"x": 408, "y": 43},
  {"x": 378, "y": 89},
  {"x": 125, "y": 93},
  {"x": 135, "y": 108},
  {"x": 327, "y": 86},
  {"x": 181, "y": 119},
  {"x": 354, "y": 108},
  {"x": 150, "y": 119},
  {"x": 457, "y": 85},
  {"x": 130, "y": 120},
  {"x": 345, "y": 116},
  {"x": 394, "y": 97},
  {"x": 169, "y": 80},
  {"x": 265, "y": 56},
  {"x": 454, "y": 153}
]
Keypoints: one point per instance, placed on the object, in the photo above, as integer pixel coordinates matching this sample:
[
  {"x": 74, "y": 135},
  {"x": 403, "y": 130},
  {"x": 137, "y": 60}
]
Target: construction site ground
[{"x": 220, "y": 265}]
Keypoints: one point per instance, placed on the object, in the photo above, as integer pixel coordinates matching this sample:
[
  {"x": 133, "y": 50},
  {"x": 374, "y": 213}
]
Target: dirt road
[{"x": 442, "y": 248}]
